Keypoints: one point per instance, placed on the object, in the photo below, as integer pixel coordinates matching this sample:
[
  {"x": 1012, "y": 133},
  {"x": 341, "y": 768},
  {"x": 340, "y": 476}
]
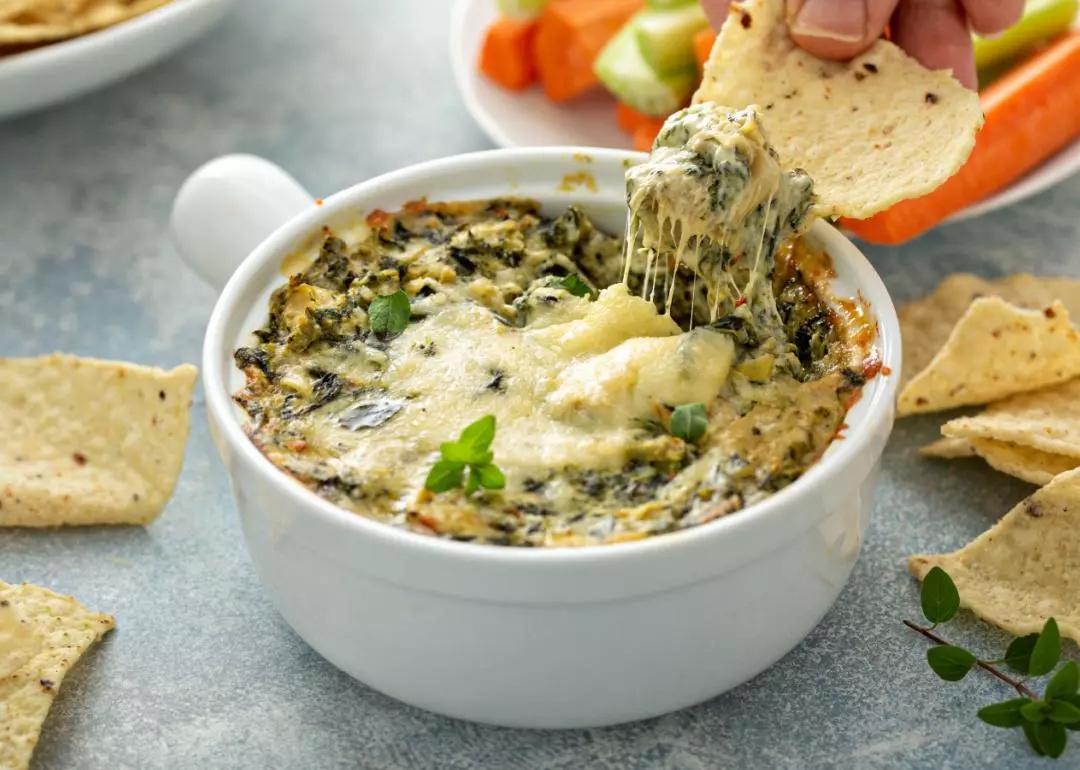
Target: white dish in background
[
  {"x": 60, "y": 71},
  {"x": 526, "y": 637},
  {"x": 528, "y": 119}
]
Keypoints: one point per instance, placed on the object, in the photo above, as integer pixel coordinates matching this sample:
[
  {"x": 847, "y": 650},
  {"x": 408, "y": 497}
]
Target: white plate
[
  {"x": 61, "y": 71},
  {"x": 528, "y": 119}
]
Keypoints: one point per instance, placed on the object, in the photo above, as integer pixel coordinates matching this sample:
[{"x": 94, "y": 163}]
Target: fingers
[
  {"x": 837, "y": 29},
  {"x": 716, "y": 10},
  {"x": 989, "y": 17},
  {"x": 936, "y": 33}
]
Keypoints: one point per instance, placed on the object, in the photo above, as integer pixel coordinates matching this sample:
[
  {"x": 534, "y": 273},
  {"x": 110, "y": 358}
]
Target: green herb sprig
[
  {"x": 689, "y": 422},
  {"x": 573, "y": 284},
  {"x": 472, "y": 453},
  {"x": 389, "y": 313},
  {"x": 1044, "y": 721}
]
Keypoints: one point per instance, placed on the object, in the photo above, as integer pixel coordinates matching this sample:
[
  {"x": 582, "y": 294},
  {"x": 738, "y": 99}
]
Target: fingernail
[{"x": 843, "y": 21}]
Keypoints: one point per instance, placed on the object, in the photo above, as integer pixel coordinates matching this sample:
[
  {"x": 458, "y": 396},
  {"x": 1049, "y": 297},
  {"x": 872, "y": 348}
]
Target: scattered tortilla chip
[
  {"x": 925, "y": 324},
  {"x": 948, "y": 449},
  {"x": 1026, "y": 568},
  {"x": 1031, "y": 465},
  {"x": 871, "y": 131},
  {"x": 1046, "y": 419},
  {"x": 48, "y": 633},
  {"x": 1023, "y": 462},
  {"x": 46, "y": 21},
  {"x": 88, "y": 441},
  {"x": 994, "y": 351}
]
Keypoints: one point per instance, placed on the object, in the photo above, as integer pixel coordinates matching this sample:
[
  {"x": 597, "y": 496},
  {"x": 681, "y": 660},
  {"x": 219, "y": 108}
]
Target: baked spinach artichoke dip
[{"x": 485, "y": 372}]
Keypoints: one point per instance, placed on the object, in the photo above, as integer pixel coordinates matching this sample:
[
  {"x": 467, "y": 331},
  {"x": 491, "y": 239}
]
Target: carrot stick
[
  {"x": 507, "y": 56},
  {"x": 570, "y": 36},
  {"x": 703, "y": 43},
  {"x": 644, "y": 134},
  {"x": 629, "y": 119},
  {"x": 1031, "y": 113}
]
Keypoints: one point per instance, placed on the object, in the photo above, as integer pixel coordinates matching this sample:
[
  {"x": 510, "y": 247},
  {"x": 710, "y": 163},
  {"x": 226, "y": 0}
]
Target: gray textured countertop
[{"x": 201, "y": 671}]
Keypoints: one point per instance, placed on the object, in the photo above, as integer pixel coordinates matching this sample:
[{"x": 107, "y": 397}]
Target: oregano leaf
[
  {"x": 1034, "y": 711},
  {"x": 1032, "y": 738},
  {"x": 479, "y": 434},
  {"x": 689, "y": 422},
  {"x": 444, "y": 475},
  {"x": 1065, "y": 682},
  {"x": 1004, "y": 714},
  {"x": 489, "y": 476},
  {"x": 949, "y": 662},
  {"x": 1063, "y": 712},
  {"x": 1018, "y": 654},
  {"x": 1047, "y": 650},
  {"x": 1051, "y": 737},
  {"x": 573, "y": 284},
  {"x": 389, "y": 313},
  {"x": 940, "y": 599},
  {"x": 473, "y": 483}
]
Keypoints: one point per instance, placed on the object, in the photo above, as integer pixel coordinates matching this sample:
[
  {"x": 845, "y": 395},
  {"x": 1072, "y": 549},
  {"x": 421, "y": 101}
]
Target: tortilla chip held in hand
[{"x": 871, "y": 131}]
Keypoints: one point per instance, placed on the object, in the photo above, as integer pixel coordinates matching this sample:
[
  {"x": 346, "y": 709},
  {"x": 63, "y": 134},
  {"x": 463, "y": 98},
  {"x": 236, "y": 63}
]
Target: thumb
[
  {"x": 716, "y": 10},
  {"x": 837, "y": 29}
]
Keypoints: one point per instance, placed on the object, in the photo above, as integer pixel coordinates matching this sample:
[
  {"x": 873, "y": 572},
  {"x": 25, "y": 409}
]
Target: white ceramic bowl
[
  {"x": 523, "y": 637},
  {"x": 64, "y": 70}
]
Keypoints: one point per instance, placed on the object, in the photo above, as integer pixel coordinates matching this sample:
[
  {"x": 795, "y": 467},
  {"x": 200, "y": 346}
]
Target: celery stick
[
  {"x": 521, "y": 9},
  {"x": 622, "y": 68},
  {"x": 667, "y": 37},
  {"x": 1042, "y": 20}
]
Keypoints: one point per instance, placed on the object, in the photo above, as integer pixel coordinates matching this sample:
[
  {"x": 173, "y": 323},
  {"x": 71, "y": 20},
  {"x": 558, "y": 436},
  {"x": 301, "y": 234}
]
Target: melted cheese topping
[
  {"x": 712, "y": 197},
  {"x": 581, "y": 383}
]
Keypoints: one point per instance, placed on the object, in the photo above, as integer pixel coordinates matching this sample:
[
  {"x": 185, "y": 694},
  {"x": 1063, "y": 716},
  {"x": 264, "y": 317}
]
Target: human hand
[{"x": 936, "y": 32}]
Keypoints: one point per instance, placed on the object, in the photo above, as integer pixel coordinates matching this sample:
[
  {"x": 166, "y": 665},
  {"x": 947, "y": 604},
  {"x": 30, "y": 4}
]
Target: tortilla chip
[
  {"x": 1031, "y": 465},
  {"x": 1023, "y": 462},
  {"x": 88, "y": 441},
  {"x": 46, "y": 21},
  {"x": 948, "y": 449},
  {"x": 870, "y": 132},
  {"x": 1047, "y": 419},
  {"x": 994, "y": 351},
  {"x": 925, "y": 324},
  {"x": 61, "y": 630},
  {"x": 1026, "y": 568}
]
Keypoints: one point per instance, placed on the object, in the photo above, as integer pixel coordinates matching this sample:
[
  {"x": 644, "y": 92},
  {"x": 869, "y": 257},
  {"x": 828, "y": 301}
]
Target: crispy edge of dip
[
  {"x": 1026, "y": 568},
  {"x": 871, "y": 131},
  {"x": 46, "y": 633},
  {"x": 90, "y": 441}
]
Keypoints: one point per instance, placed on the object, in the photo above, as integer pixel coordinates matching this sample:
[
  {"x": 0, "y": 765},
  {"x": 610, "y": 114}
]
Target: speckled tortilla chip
[
  {"x": 1023, "y": 462},
  {"x": 926, "y": 323},
  {"x": 870, "y": 132},
  {"x": 948, "y": 449},
  {"x": 48, "y": 633},
  {"x": 1026, "y": 568},
  {"x": 88, "y": 441},
  {"x": 46, "y": 21},
  {"x": 994, "y": 351},
  {"x": 1046, "y": 419}
]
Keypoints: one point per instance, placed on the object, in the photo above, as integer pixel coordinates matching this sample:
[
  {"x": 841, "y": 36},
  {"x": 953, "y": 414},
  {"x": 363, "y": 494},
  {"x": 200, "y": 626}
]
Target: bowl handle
[{"x": 227, "y": 208}]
